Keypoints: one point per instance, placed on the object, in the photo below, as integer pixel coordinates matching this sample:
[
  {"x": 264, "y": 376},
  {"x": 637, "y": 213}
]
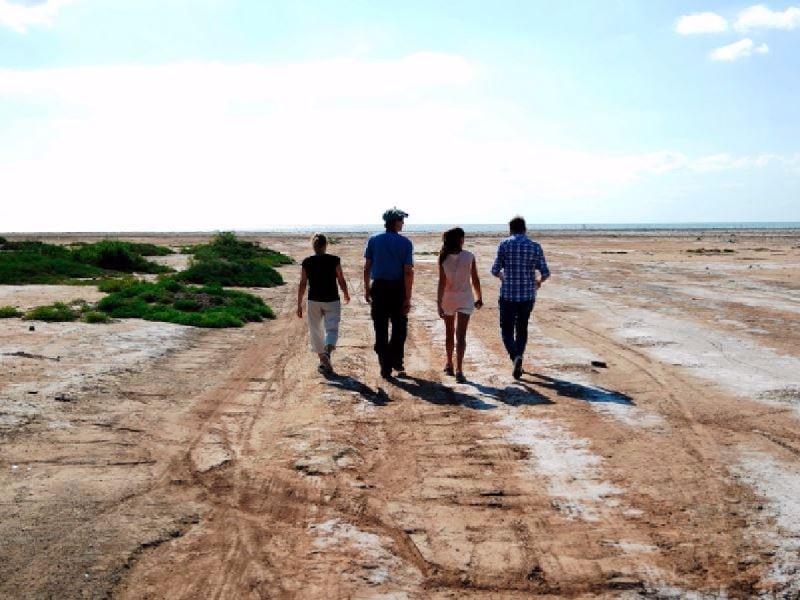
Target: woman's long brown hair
[{"x": 451, "y": 242}]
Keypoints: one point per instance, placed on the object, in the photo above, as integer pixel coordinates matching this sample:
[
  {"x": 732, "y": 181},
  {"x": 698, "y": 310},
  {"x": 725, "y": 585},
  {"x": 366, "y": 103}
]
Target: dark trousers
[
  {"x": 514, "y": 325},
  {"x": 387, "y": 307}
]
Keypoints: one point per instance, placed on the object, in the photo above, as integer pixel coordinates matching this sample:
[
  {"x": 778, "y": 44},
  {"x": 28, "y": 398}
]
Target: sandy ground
[{"x": 147, "y": 460}]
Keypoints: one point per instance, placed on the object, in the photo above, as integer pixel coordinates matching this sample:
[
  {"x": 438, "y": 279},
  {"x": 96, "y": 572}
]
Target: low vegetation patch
[
  {"x": 173, "y": 302},
  {"x": 9, "y": 312},
  {"x": 225, "y": 261},
  {"x": 247, "y": 273},
  {"x": 113, "y": 255},
  {"x": 228, "y": 261},
  {"x": 37, "y": 262},
  {"x": 96, "y": 316},
  {"x": 53, "y": 312}
]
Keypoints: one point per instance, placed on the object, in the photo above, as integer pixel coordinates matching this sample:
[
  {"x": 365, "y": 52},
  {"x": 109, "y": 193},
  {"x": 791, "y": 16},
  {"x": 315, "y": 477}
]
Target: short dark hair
[{"x": 517, "y": 225}]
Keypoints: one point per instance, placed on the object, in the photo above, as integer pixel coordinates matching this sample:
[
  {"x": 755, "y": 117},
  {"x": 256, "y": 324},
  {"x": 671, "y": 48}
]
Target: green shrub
[
  {"x": 229, "y": 261},
  {"x": 8, "y": 312},
  {"x": 42, "y": 265},
  {"x": 95, "y": 316},
  {"x": 115, "y": 284},
  {"x": 147, "y": 249},
  {"x": 2, "y": 240},
  {"x": 114, "y": 255},
  {"x": 170, "y": 301},
  {"x": 37, "y": 247},
  {"x": 245, "y": 273},
  {"x": 53, "y": 312}
]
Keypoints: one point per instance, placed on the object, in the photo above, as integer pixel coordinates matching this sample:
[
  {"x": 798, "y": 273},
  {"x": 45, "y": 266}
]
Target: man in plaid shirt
[{"x": 518, "y": 259}]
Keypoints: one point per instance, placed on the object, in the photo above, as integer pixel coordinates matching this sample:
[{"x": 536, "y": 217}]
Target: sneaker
[
  {"x": 324, "y": 369},
  {"x": 517, "y": 372},
  {"x": 401, "y": 370},
  {"x": 448, "y": 370},
  {"x": 460, "y": 377}
]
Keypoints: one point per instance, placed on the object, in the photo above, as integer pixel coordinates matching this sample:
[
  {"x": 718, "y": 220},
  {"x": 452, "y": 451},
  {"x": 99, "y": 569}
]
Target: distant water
[{"x": 503, "y": 227}]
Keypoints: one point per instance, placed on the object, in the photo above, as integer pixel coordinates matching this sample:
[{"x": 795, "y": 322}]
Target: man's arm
[
  {"x": 499, "y": 261},
  {"x": 408, "y": 276},
  {"x": 367, "y": 270},
  {"x": 541, "y": 266}
]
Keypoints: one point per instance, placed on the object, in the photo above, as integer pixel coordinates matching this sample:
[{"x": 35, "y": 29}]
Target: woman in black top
[{"x": 321, "y": 272}]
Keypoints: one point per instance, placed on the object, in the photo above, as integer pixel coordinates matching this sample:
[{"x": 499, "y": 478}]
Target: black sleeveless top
[{"x": 321, "y": 272}]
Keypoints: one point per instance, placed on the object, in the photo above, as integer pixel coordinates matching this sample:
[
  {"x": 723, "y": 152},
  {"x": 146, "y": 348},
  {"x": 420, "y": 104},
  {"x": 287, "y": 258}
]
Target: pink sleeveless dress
[{"x": 457, "y": 295}]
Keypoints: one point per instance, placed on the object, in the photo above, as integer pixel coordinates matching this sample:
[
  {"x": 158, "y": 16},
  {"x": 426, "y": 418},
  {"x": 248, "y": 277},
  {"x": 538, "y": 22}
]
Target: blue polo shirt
[{"x": 389, "y": 252}]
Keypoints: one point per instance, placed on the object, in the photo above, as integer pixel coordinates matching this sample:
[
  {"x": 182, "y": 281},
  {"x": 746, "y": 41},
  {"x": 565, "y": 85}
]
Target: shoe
[
  {"x": 448, "y": 370},
  {"x": 460, "y": 377},
  {"x": 517, "y": 372},
  {"x": 325, "y": 364},
  {"x": 387, "y": 375},
  {"x": 401, "y": 370},
  {"x": 329, "y": 348}
]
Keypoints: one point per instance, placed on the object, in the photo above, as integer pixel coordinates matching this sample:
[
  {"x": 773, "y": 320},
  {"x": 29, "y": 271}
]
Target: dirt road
[{"x": 145, "y": 460}]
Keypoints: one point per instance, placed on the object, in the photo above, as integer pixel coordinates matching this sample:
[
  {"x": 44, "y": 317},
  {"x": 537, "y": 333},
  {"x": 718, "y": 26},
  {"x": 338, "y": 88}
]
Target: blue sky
[{"x": 187, "y": 114}]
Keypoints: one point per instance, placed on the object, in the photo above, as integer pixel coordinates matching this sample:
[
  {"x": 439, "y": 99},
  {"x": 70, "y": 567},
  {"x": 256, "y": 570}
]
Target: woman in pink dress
[{"x": 458, "y": 276}]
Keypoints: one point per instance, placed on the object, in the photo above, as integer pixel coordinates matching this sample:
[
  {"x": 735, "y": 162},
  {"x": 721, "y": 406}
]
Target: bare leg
[
  {"x": 461, "y": 340},
  {"x": 449, "y": 331}
]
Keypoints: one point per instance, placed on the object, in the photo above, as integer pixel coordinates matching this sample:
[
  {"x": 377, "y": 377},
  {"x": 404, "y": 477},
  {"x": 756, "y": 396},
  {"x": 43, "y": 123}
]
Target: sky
[{"x": 188, "y": 115}]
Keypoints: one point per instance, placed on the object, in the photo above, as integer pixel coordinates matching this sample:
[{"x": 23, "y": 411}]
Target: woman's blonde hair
[{"x": 319, "y": 242}]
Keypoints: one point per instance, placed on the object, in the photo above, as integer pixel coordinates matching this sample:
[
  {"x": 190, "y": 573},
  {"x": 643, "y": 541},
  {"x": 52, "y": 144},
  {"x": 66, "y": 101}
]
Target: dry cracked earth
[{"x": 650, "y": 450}]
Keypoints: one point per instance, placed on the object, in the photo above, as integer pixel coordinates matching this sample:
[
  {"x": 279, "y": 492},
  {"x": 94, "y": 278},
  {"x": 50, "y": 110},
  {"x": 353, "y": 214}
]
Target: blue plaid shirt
[{"x": 518, "y": 257}]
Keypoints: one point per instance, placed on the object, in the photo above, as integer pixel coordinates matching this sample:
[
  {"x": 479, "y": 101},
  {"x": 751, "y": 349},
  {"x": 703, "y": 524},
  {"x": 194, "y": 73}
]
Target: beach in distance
[{"x": 649, "y": 450}]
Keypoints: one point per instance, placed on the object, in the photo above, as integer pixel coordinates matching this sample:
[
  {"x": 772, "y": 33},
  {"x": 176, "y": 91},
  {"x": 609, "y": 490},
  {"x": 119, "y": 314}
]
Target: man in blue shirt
[
  {"x": 389, "y": 264},
  {"x": 518, "y": 259}
]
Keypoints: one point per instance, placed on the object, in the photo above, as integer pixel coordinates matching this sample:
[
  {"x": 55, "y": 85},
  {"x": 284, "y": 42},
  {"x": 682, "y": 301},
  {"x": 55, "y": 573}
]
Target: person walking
[
  {"x": 458, "y": 275},
  {"x": 518, "y": 258},
  {"x": 321, "y": 272},
  {"x": 388, "y": 281}
]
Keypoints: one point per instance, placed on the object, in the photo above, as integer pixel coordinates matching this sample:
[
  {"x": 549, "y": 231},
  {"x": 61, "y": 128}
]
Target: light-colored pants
[{"x": 323, "y": 323}]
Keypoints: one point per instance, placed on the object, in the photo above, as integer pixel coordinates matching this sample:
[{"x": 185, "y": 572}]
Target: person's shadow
[
  {"x": 345, "y": 382},
  {"x": 440, "y": 394},
  {"x": 518, "y": 394},
  {"x": 579, "y": 391}
]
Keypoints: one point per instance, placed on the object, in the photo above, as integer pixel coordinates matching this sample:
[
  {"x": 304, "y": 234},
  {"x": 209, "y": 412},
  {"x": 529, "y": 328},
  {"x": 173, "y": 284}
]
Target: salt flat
[{"x": 149, "y": 460}]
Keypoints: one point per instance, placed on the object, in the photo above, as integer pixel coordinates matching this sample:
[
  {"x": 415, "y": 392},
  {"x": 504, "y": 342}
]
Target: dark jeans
[
  {"x": 387, "y": 307},
  {"x": 514, "y": 325}
]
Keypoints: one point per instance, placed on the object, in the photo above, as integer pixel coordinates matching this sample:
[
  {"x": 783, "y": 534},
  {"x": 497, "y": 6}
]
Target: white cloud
[
  {"x": 19, "y": 15},
  {"x": 705, "y": 22},
  {"x": 737, "y": 50},
  {"x": 203, "y": 84},
  {"x": 193, "y": 146},
  {"x": 761, "y": 17}
]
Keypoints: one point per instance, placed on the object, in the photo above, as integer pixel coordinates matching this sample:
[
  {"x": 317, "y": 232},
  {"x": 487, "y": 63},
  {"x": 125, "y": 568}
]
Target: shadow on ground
[
  {"x": 436, "y": 392},
  {"x": 377, "y": 397},
  {"x": 578, "y": 391}
]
